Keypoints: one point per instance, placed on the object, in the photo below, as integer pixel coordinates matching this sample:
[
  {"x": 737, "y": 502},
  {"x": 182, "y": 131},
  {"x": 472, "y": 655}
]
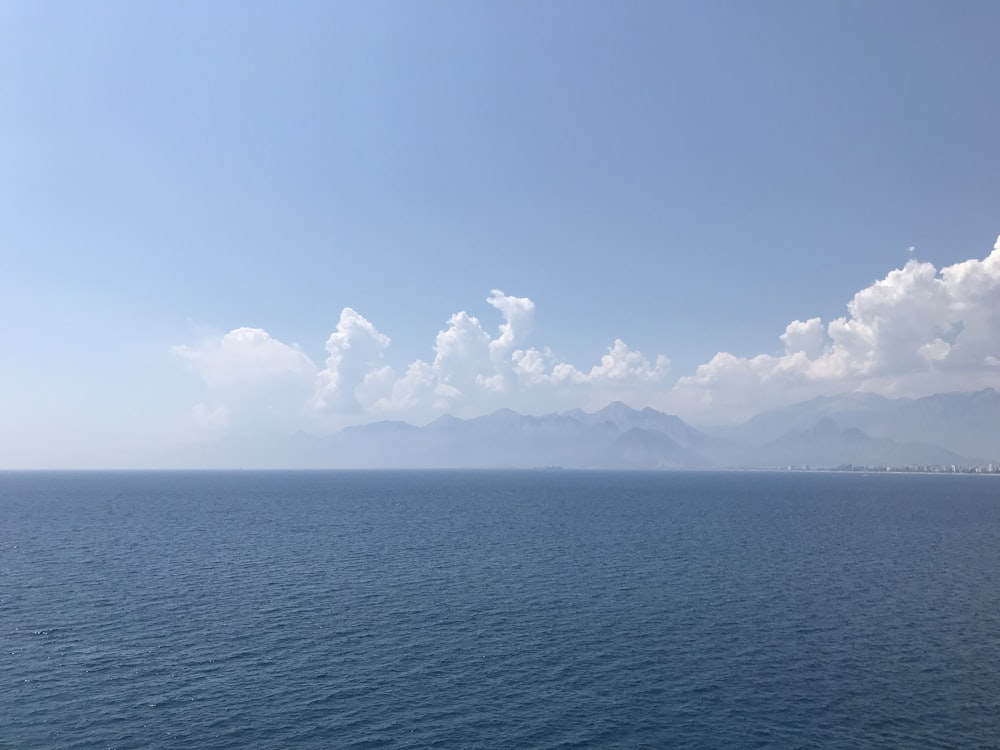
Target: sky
[{"x": 224, "y": 220}]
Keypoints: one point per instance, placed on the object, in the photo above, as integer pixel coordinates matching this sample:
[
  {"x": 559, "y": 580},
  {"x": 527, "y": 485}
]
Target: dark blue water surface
[{"x": 498, "y": 610}]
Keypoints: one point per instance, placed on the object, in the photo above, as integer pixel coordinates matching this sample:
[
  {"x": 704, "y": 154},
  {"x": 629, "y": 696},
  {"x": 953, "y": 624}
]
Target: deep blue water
[{"x": 498, "y": 610}]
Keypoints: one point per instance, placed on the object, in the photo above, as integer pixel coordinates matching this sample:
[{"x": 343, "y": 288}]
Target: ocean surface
[{"x": 545, "y": 609}]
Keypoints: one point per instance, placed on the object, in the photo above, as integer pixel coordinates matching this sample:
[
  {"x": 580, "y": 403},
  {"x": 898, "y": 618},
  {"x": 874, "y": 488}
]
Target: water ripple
[{"x": 485, "y": 610}]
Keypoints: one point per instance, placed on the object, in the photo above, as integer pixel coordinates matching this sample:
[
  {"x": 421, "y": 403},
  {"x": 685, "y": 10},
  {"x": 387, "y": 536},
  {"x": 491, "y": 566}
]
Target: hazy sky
[{"x": 225, "y": 219}]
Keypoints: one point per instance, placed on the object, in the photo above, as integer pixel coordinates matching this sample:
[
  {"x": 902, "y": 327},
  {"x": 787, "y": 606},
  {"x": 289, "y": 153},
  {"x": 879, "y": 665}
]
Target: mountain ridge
[{"x": 847, "y": 429}]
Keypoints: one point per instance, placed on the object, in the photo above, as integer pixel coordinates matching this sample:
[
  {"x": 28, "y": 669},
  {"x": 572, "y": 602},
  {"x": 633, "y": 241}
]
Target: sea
[{"x": 498, "y": 609}]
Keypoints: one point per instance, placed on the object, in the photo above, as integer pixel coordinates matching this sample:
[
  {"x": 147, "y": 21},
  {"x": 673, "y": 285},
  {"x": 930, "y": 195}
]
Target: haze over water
[{"x": 498, "y": 609}]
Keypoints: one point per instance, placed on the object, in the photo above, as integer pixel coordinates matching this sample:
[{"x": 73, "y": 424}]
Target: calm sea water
[{"x": 498, "y": 610}]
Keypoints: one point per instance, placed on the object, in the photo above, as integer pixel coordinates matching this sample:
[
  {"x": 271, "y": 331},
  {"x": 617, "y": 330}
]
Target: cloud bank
[
  {"x": 247, "y": 372},
  {"x": 919, "y": 330}
]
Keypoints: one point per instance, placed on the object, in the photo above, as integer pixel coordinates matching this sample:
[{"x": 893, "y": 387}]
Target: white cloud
[
  {"x": 621, "y": 369},
  {"x": 461, "y": 368},
  {"x": 246, "y": 356},
  {"x": 934, "y": 351},
  {"x": 518, "y": 320},
  {"x": 808, "y": 338},
  {"x": 356, "y": 350},
  {"x": 621, "y": 364},
  {"x": 918, "y": 330},
  {"x": 471, "y": 372},
  {"x": 255, "y": 381}
]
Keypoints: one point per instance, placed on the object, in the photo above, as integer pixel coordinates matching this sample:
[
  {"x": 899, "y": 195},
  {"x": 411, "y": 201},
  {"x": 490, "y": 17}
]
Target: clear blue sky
[{"x": 686, "y": 176}]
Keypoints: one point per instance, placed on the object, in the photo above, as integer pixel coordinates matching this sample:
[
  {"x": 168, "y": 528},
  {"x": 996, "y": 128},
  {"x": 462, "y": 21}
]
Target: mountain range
[{"x": 857, "y": 429}]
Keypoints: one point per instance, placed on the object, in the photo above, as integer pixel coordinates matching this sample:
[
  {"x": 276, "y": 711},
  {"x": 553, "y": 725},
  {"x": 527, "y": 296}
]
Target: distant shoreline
[{"x": 501, "y": 469}]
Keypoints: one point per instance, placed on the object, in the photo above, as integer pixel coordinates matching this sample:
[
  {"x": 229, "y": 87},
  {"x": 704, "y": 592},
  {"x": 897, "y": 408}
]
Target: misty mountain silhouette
[{"x": 859, "y": 429}]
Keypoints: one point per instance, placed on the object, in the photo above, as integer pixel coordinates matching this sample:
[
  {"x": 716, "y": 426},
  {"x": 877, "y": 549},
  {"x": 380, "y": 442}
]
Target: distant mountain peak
[
  {"x": 963, "y": 426},
  {"x": 854, "y": 428},
  {"x": 826, "y": 427},
  {"x": 445, "y": 420},
  {"x": 617, "y": 408}
]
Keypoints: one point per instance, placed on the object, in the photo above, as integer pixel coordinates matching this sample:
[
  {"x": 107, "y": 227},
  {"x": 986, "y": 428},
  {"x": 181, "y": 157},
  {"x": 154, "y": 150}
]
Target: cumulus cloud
[
  {"x": 917, "y": 330},
  {"x": 355, "y": 351},
  {"x": 518, "y": 319},
  {"x": 254, "y": 379},
  {"x": 471, "y": 371},
  {"x": 620, "y": 367},
  {"x": 809, "y": 337},
  {"x": 246, "y": 356}
]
